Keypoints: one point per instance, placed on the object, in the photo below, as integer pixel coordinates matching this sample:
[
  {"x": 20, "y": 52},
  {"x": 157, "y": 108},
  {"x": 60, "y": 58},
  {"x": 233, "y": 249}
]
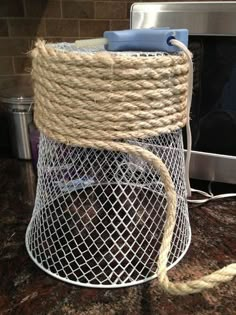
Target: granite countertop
[{"x": 27, "y": 290}]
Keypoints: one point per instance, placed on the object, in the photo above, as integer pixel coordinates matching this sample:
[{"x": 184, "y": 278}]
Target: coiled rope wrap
[
  {"x": 95, "y": 100},
  {"x": 103, "y": 96}
]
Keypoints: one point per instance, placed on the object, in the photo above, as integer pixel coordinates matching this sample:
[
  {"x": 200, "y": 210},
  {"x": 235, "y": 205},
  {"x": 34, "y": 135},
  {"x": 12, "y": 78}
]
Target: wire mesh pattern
[{"x": 99, "y": 215}]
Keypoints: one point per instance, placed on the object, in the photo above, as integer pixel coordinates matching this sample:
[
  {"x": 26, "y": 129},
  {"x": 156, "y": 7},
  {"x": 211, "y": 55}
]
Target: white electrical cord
[
  {"x": 180, "y": 45},
  {"x": 209, "y": 196}
]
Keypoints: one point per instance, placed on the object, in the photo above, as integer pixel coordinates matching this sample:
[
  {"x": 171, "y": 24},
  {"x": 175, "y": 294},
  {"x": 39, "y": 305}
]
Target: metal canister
[{"x": 20, "y": 113}]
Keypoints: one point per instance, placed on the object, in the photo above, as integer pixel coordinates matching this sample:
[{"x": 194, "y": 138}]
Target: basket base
[{"x": 105, "y": 286}]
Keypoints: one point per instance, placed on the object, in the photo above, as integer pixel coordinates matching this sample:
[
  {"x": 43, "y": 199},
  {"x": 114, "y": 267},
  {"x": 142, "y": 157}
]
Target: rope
[
  {"x": 95, "y": 100},
  {"x": 72, "y": 107}
]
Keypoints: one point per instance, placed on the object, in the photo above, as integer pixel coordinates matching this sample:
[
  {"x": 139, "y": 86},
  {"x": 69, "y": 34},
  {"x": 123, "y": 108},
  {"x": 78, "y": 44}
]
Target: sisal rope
[{"x": 95, "y": 100}]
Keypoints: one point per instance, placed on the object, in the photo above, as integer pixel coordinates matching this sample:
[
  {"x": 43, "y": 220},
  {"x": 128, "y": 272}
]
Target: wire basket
[{"x": 99, "y": 215}]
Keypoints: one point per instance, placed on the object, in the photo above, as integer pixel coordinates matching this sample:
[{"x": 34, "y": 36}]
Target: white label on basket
[{"x": 75, "y": 184}]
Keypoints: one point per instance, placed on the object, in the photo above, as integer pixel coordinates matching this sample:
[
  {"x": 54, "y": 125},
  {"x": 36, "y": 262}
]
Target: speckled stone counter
[{"x": 27, "y": 290}]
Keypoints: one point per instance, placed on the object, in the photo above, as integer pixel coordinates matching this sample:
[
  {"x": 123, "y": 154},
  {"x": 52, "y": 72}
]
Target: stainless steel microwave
[{"x": 212, "y": 28}]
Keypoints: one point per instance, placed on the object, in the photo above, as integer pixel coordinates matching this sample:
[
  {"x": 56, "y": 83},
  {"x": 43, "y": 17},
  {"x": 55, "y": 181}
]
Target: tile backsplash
[{"x": 23, "y": 21}]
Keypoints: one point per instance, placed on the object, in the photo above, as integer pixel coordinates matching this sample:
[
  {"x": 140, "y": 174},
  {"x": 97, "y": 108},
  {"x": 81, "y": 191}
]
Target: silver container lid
[{"x": 17, "y": 96}]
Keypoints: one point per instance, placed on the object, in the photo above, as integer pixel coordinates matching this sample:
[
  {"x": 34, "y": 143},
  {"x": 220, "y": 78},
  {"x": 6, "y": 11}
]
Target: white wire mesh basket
[{"x": 99, "y": 215}]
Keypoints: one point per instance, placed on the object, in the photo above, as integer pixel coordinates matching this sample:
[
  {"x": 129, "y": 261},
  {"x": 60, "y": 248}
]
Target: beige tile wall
[{"x": 22, "y": 21}]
